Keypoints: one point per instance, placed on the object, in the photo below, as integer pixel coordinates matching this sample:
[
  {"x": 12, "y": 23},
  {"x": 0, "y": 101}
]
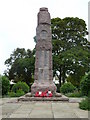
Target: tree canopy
[
  {"x": 21, "y": 65},
  {"x": 70, "y": 49}
]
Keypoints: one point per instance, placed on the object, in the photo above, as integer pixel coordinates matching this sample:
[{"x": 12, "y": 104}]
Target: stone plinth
[
  {"x": 28, "y": 97},
  {"x": 43, "y": 87},
  {"x": 64, "y": 99},
  {"x": 43, "y": 64}
]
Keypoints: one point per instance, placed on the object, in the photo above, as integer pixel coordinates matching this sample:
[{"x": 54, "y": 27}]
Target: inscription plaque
[{"x": 43, "y": 34}]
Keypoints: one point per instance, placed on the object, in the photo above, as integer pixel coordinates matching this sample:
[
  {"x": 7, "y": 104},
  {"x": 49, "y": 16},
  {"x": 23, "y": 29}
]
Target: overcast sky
[{"x": 18, "y": 21}]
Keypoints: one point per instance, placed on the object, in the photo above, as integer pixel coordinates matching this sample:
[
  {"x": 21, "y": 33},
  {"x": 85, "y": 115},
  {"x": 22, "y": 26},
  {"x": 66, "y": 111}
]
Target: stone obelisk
[{"x": 43, "y": 64}]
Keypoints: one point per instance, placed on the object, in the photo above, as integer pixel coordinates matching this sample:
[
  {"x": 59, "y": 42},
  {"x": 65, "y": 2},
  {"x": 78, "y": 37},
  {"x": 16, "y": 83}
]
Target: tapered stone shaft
[{"x": 43, "y": 63}]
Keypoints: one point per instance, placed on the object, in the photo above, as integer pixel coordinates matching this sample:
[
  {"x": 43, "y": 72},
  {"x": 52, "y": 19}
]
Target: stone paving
[{"x": 13, "y": 109}]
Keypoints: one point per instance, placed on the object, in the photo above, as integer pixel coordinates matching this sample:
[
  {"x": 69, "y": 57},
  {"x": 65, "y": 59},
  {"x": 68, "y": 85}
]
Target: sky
[{"x": 18, "y": 21}]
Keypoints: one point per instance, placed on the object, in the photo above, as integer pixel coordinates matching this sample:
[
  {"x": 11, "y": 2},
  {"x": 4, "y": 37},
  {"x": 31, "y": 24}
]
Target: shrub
[
  {"x": 85, "y": 104},
  {"x": 75, "y": 94},
  {"x": 67, "y": 88},
  {"x": 12, "y": 94},
  {"x": 85, "y": 84},
  {"x": 5, "y": 85},
  {"x": 20, "y": 86},
  {"x": 17, "y": 94}
]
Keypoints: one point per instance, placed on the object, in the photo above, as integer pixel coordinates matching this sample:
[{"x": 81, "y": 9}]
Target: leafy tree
[
  {"x": 5, "y": 85},
  {"x": 21, "y": 65},
  {"x": 70, "y": 48},
  {"x": 77, "y": 64}
]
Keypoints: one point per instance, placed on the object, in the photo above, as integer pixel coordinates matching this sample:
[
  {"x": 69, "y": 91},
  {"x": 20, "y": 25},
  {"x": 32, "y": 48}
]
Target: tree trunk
[
  {"x": 60, "y": 78},
  {"x": 63, "y": 75},
  {"x": 63, "y": 79}
]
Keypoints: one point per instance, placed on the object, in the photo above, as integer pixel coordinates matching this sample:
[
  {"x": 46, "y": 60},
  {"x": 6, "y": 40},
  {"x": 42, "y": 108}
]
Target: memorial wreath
[{"x": 46, "y": 93}]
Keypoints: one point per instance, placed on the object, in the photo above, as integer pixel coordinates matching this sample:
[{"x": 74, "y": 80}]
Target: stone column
[{"x": 43, "y": 64}]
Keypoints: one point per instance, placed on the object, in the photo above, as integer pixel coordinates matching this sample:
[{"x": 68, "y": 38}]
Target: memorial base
[
  {"x": 43, "y": 87},
  {"x": 58, "y": 97}
]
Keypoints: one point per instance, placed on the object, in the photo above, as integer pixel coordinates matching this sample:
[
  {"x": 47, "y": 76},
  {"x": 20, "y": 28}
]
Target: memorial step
[{"x": 29, "y": 98}]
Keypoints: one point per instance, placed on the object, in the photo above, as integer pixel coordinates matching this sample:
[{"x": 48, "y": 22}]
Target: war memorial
[
  {"x": 43, "y": 88},
  {"x": 43, "y": 63}
]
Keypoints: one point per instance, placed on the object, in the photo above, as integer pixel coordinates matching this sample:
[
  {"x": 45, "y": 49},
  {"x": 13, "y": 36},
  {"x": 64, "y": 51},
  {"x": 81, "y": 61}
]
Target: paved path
[{"x": 13, "y": 109}]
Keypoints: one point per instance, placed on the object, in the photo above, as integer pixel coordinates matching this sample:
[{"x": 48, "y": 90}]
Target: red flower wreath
[{"x": 46, "y": 93}]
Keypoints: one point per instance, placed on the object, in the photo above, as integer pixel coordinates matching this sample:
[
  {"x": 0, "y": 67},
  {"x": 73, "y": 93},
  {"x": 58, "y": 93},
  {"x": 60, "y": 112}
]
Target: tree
[
  {"x": 21, "y": 65},
  {"x": 5, "y": 85},
  {"x": 76, "y": 61},
  {"x": 70, "y": 48}
]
